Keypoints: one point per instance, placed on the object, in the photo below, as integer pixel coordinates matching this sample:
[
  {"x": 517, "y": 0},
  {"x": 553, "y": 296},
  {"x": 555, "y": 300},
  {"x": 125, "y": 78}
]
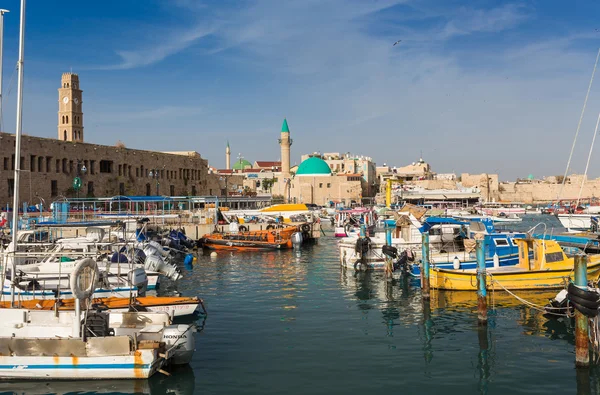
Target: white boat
[
  {"x": 405, "y": 236},
  {"x": 575, "y": 222},
  {"x": 82, "y": 344},
  {"x": 495, "y": 208},
  {"x": 43, "y": 271}
]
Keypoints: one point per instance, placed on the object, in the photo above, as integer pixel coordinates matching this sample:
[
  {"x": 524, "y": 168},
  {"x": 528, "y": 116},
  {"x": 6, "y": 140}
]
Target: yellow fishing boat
[{"x": 548, "y": 268}]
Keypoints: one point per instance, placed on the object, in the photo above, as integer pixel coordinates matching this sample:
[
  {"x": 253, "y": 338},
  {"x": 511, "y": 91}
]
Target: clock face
[
  {"x": 76, "y": 101},
  {"x": 65, "y": 100}
]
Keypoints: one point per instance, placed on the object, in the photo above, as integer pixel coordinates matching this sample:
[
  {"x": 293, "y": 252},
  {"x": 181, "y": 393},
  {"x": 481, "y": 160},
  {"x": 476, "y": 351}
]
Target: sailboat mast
[
  {"x": 15, "y": 222},
  {"x": 2, "y": 12}
]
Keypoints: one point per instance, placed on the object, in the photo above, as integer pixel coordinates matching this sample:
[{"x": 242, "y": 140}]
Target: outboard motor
[
  {"x": 155, "y": 263},
  {"x": 297, "y": 239},
  {"x": 390, "y": 251},
  {"x": 182, "y": 337},
  {"x": 402, "y": 262},
  {"x": 139, "y": 279},
  {"x": 154, "y": 248}
]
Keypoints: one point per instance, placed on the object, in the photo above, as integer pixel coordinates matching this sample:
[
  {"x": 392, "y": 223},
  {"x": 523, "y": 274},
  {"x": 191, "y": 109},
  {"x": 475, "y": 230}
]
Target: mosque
[{"x": 312, "y": 182}]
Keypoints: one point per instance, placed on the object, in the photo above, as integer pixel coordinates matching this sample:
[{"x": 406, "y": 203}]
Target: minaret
[
  {"x": 228, "y": 157},
  {"x": 70, "y": 113},
  {"x": 285, "y": 141}
]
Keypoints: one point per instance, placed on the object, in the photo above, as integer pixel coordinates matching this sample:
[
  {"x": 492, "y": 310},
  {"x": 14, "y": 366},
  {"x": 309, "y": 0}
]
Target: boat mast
[
  {"x": 2, "y": 12},
  {"x": 587, "y": 165},
  {"x": 577, "y": 131},
  {"x": 15, "y": 222}
]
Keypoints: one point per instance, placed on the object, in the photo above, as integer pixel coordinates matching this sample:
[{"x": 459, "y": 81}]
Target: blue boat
[{"x": 496, "y": 243}]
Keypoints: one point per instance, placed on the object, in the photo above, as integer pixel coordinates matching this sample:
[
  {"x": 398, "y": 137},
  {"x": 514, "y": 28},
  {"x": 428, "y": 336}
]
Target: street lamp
[
  {"x": 226, "y": 178},
  {"x": 81, "y": 170},
  {"x": 155, "y": 174}
]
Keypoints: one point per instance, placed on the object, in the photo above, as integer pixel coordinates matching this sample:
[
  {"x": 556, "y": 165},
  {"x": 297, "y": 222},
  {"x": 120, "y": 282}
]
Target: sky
[{"x": 473, "y": 86}]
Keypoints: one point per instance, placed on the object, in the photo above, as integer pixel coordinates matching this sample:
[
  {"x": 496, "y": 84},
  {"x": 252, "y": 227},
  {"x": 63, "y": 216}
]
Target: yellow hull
[
  {"x": 451, "y": 300},
  {"x": 466, "y": 280}
]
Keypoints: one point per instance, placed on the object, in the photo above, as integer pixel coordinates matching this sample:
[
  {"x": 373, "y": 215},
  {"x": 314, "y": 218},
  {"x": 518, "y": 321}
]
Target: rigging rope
[
  {"x": 587, "y": 165},
  {"x": 528, "y": 303},
  {"x": 578, "y": 127}
]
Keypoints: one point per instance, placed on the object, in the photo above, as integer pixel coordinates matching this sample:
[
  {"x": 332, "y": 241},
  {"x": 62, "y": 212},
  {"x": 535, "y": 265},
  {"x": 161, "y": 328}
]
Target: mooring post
[
  {"x": 388, "y": 235},
  {"x": 425, "y": 265},
  {"x": 582, "y": 350},
  {"x": 481, "y": 284}
]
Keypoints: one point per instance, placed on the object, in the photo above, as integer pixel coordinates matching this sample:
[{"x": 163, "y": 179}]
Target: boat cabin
[{"x": 536, "y": 254}]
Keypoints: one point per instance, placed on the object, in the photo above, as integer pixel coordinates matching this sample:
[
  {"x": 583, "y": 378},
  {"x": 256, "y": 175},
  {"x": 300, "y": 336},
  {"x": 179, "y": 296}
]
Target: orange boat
[
  {"x": 256, "y": 240},
  {"x": 181, "y": 306}
]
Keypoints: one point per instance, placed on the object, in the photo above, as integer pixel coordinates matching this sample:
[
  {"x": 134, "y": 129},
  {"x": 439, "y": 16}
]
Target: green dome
[
  {"x": 241, "y": 164},
  {"x": 313, "y": 166}
]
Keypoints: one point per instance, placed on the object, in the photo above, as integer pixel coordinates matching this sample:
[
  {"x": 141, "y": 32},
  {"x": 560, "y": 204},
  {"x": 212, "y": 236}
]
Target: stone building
[
  {"x": 344, "y": 164},
  {"x": 49, "y": 166}
]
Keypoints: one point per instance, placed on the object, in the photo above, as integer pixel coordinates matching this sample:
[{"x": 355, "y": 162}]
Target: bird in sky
[{"x": 397, "y": 42}]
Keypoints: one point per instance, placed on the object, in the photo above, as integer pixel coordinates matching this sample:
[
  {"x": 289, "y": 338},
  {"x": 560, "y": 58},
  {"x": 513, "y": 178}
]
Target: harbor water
[{"x": 294, "y": 322}]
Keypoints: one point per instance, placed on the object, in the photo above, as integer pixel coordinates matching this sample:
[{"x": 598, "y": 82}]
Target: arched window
[
  {"x": 67, "y": 119},
  {"x": 73, "y": 135},
  {"x": 63, "y": 119},
  {"x": 65, "y": 137}
]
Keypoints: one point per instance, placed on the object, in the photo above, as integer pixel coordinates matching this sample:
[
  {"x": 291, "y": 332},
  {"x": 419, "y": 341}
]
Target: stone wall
[
  {"x": 541, "y": 192},
  {"x": 49, "y": 167}
]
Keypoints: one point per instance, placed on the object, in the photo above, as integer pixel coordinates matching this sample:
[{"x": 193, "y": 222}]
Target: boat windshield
[{"x": 572, "y": 251}]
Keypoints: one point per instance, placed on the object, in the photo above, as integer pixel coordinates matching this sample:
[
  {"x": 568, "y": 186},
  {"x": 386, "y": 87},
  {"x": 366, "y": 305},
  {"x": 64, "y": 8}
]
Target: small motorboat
[{"x": 257, "y": 240}]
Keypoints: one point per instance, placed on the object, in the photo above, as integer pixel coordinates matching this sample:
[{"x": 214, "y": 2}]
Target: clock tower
[{"x": 70, "y": 113}]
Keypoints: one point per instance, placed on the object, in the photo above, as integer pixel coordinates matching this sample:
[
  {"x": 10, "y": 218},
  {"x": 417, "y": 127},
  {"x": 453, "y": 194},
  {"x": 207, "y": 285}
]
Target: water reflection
[
  {"x": 181, "y": 382},
  {"x": 482, "y": 361}
]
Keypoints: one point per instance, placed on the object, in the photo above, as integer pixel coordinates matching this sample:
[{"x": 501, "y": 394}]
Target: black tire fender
[
  {"x": 583, "y": 302},
  {"x": 592, "y": 296},
  {"x": 585, "y": 311}
]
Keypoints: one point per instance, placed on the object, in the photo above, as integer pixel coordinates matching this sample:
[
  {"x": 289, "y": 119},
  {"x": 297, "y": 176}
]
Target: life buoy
[
  {"x": 77, "y": 275},
  {"x": 305, "y": 228},
  {"x": 243, "y": 228}
]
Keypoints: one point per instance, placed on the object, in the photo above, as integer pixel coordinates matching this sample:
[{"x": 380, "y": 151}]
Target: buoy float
[
  {"x": 496, "y": 260},
  {"x": 213, "y": 254},
  {"x": 456, "y": 263}
]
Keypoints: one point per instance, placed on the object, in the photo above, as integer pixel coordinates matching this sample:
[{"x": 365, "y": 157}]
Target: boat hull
[
  {"x": 140, "y": 364},
  {"x": 466, "y": 280},
  {"x": 180, "y": 306}
]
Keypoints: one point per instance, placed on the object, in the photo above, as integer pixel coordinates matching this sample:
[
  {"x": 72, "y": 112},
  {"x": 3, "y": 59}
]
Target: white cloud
[{"x": 156, "y": 51}]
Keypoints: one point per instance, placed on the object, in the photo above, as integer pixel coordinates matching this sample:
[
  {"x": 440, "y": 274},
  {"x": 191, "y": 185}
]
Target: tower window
[
  {"x": 63, "y": 119},
  {"x": 67, "y": 119},
  {"x": 65, "y": 136},
  {"x": 73, "y": 135}
]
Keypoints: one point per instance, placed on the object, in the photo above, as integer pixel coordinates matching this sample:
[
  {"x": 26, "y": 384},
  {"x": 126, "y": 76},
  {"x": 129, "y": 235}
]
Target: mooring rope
[{"x": 532, "y": 305}]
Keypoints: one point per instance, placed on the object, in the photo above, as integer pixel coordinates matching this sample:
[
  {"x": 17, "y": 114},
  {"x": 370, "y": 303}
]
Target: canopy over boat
[{"x": 284, "y": 207}]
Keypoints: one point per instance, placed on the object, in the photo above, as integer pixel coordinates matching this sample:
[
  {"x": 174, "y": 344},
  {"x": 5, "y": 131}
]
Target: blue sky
[{"x": 477, "y": 86}]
